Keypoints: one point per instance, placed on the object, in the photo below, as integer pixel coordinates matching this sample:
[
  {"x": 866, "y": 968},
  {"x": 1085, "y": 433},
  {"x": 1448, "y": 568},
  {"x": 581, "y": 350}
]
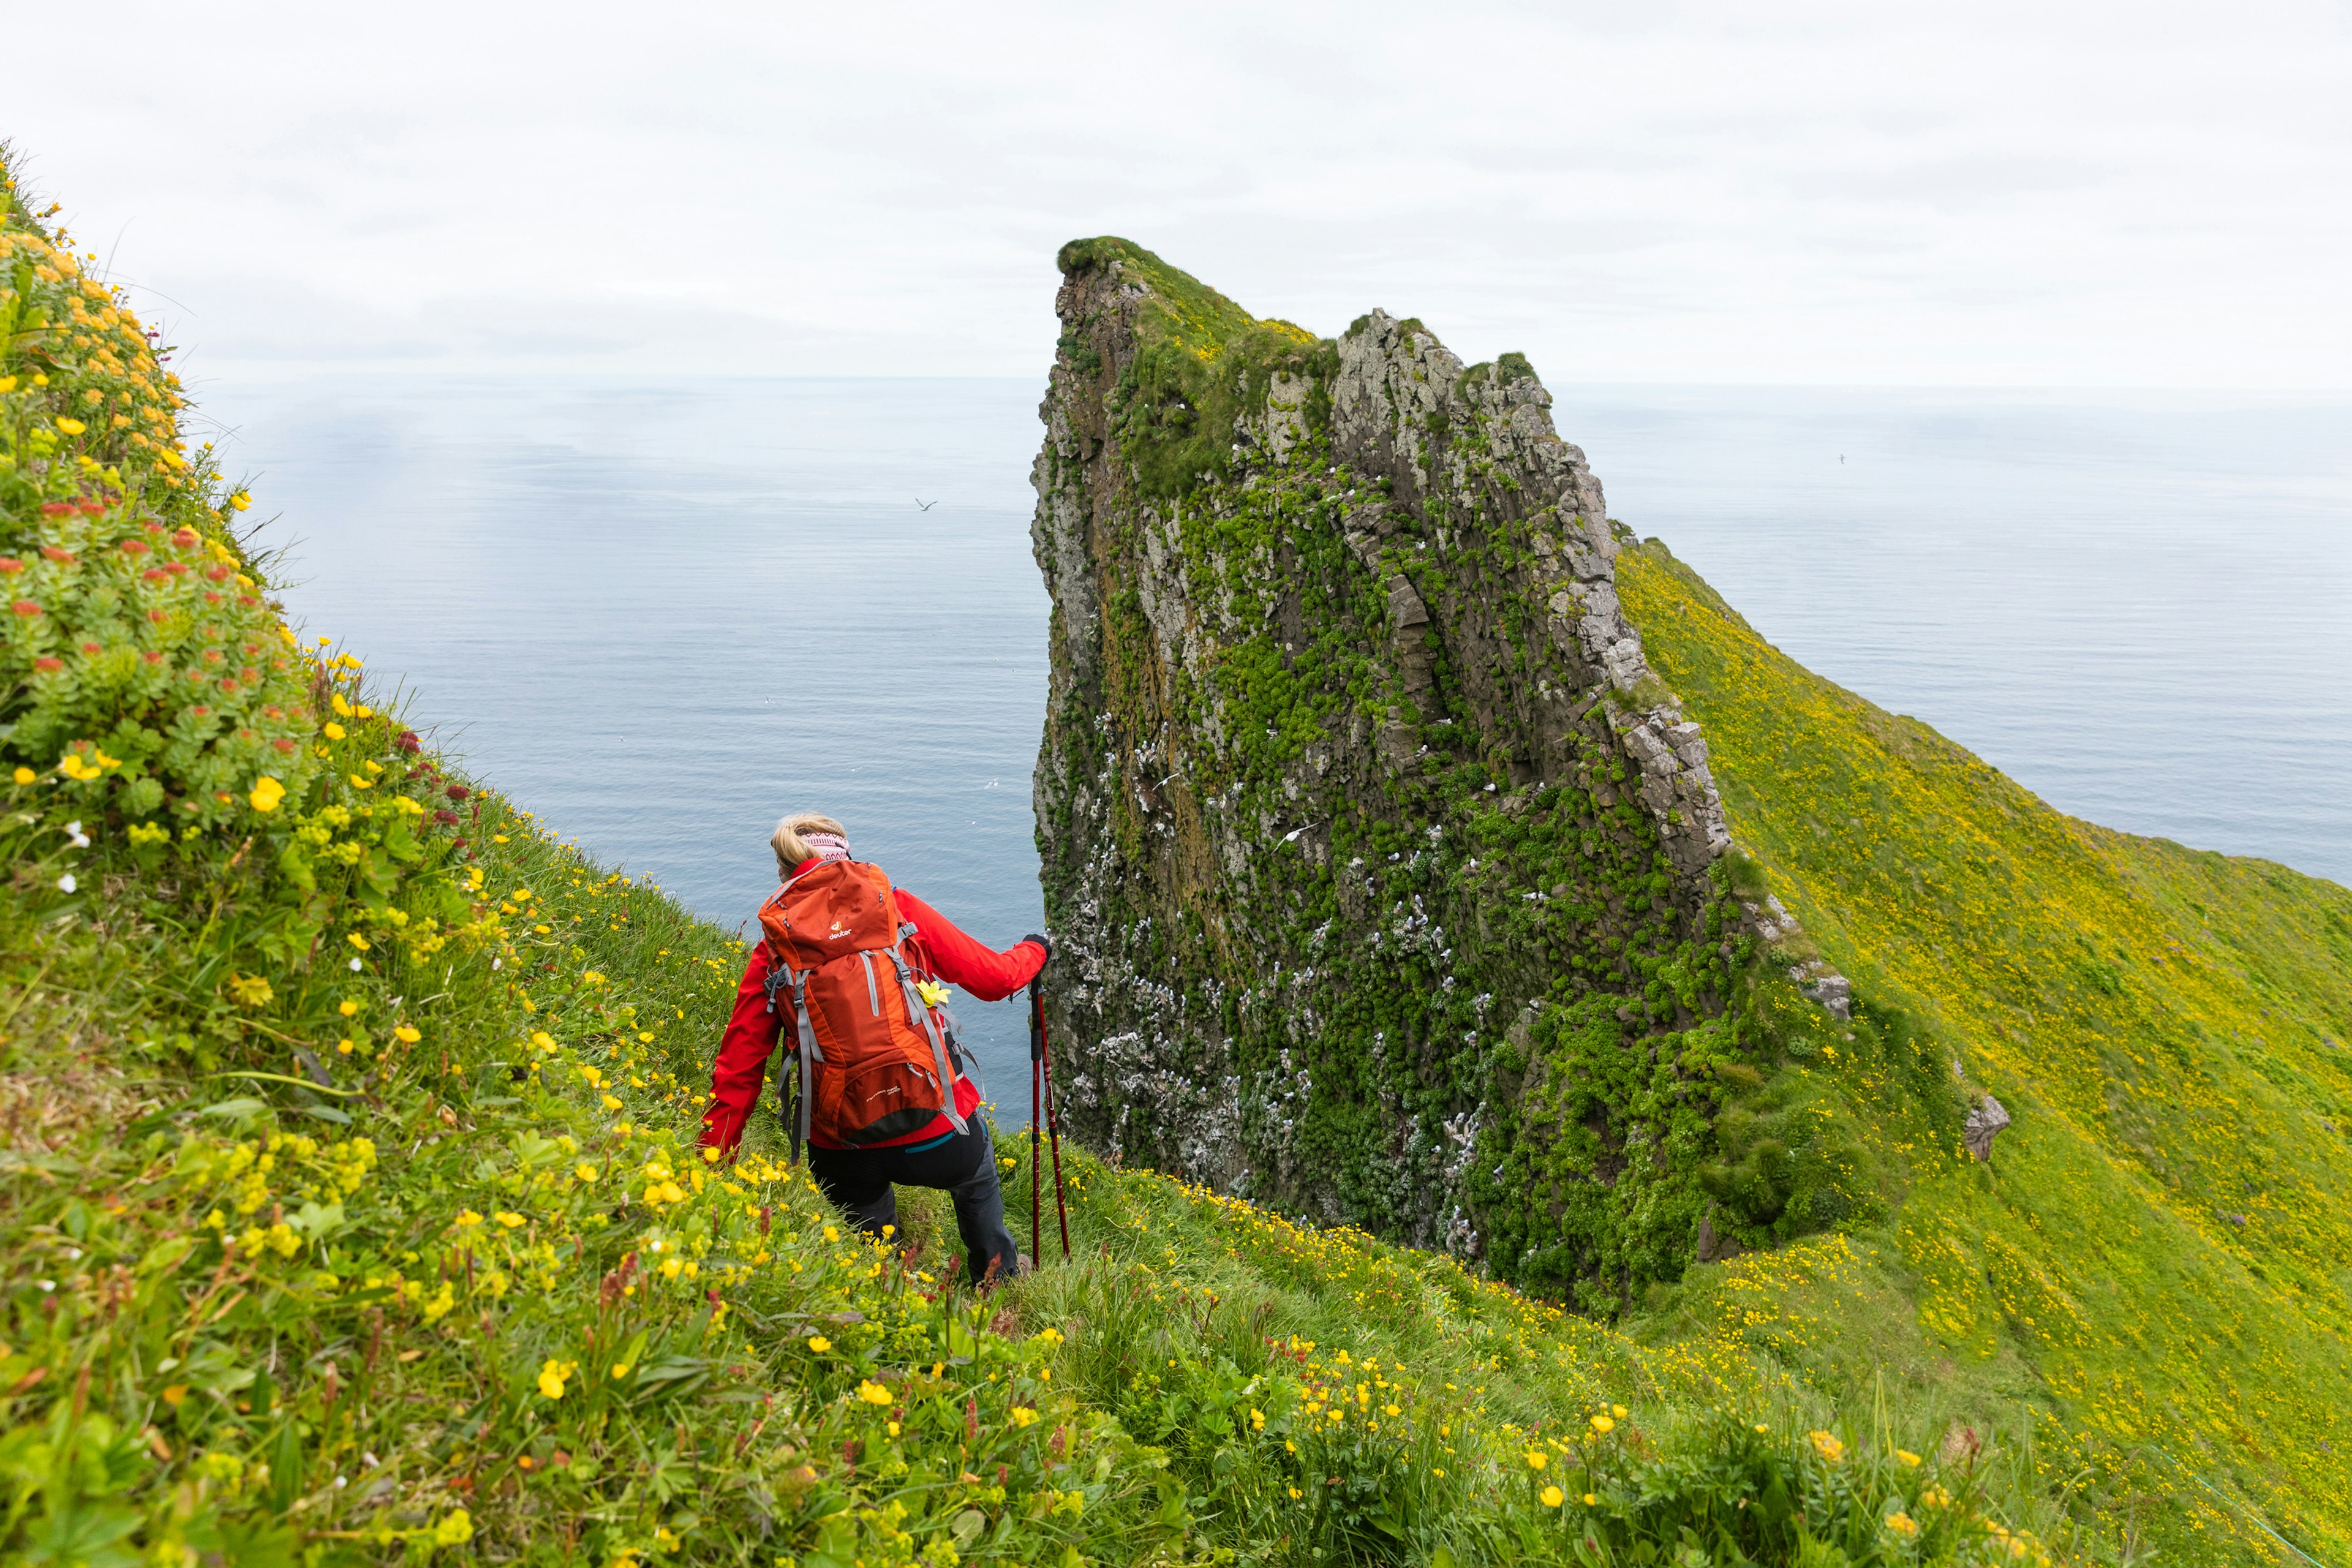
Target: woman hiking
[{"x": 847, "y": 975}]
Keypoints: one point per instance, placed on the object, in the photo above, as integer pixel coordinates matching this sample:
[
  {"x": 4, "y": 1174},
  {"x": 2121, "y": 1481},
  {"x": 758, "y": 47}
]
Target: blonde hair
[{"x": 790, "y": 847}]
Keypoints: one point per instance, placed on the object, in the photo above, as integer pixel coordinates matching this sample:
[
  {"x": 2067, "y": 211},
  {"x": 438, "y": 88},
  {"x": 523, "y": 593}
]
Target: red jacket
[{"x": 937, "y": 950}]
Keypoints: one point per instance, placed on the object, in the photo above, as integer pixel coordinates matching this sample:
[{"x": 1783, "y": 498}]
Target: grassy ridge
[{"x": 2158, "y": 1241}]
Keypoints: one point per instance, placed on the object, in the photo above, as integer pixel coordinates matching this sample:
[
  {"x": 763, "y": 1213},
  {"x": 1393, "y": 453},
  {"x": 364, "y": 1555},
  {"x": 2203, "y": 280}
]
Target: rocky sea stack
[{"x": 1396, "y": 883}]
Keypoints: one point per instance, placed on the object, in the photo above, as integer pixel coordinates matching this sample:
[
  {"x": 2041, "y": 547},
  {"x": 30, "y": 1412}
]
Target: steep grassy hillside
[
  {"x": 2159, "y": 1240},
  {"x": 350, "y": 1209}
]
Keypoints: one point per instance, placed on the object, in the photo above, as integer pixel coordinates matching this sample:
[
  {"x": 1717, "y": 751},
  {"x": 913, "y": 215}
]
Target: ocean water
[{"x": 662, "y": 613}]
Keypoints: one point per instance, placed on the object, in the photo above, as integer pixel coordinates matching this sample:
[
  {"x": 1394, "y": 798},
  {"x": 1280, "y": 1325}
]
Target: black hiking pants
[{"x": 860, "y": 1182}]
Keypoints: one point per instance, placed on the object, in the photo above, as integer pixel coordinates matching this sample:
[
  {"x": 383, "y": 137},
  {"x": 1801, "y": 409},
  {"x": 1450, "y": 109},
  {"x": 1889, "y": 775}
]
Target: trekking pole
[
  {"x": 1054, "y": 1141},
  {"x": 1036, "y": 1071},
  {"x": 1045, "y": 1060}
]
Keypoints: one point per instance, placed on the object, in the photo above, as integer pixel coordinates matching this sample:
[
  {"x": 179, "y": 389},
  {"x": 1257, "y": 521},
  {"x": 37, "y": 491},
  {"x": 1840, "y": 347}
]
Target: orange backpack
[{"x": 875, "y": 1061}]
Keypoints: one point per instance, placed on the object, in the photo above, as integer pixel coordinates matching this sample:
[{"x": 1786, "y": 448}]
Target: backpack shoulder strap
[{"x": 918, "y": 1008}]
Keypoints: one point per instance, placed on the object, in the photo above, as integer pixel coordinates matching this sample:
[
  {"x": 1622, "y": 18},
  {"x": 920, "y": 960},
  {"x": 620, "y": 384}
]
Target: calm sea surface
[{"x": 660, "y": 614}]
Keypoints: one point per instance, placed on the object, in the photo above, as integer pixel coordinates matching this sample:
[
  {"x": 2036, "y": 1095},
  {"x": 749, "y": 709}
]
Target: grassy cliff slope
[
  {"x": 2160, "y": 1239},
  {"x": 351, "y": 1214}
]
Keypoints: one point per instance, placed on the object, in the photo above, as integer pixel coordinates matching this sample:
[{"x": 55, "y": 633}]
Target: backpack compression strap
[
  {"x": 918, "y": 1008},
  {"x": 804, "y": 1052}
]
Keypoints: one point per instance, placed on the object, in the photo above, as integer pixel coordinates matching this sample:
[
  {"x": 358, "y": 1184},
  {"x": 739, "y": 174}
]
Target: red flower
[
  {"x": 133, "y": 546},
  {"x": 408, "y": 742},
  {"x": 218, "y": 572},
  {"x": 62, "y": 557},
  {"x": 156, "y": 574},
  {"x": 446, "y": 818},
  {"x": 57, "y": 508},
  {"x": 25, "y": 607},
  {"x": 153, "y": 658},
  {"x": 228, "y": 685},
  {"x": 284, "y": 745},
  {"x": 89, "y": 647},
  {"x": 183, "y": 537},
  {"x": 459, "y": 792},
  {"x": 89, "y": 507},
  {"x": 10, "y": 564},
  {"x": 48, "y": 665}
]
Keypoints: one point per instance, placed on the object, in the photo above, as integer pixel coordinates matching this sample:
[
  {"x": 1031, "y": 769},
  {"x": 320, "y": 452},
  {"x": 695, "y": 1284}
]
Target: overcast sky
[{"x": 2048, "y": 193}]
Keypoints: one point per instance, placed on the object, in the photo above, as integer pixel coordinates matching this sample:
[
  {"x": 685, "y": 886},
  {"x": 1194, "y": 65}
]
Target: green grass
[
  {"x": 352, "y": 1213},
  {"x": 2157, "y": 1245},
  {"x": 352, "y": 1210}
]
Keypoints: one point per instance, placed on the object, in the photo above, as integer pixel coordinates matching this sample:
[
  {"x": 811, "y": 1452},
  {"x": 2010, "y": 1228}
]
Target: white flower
[
  {"x": 65, "y": 883},
  {"x": 74, "y": 832},
  {"x": 355, "y": 965}
]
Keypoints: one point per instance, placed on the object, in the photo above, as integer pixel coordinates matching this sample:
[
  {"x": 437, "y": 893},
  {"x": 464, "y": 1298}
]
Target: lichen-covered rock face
[{"x": 1388, "y": 881}]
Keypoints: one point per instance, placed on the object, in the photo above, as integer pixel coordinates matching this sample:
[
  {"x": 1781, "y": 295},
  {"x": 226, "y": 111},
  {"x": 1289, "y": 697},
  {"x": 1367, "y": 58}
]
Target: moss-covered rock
[{"x": 1393, "y": 877}]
